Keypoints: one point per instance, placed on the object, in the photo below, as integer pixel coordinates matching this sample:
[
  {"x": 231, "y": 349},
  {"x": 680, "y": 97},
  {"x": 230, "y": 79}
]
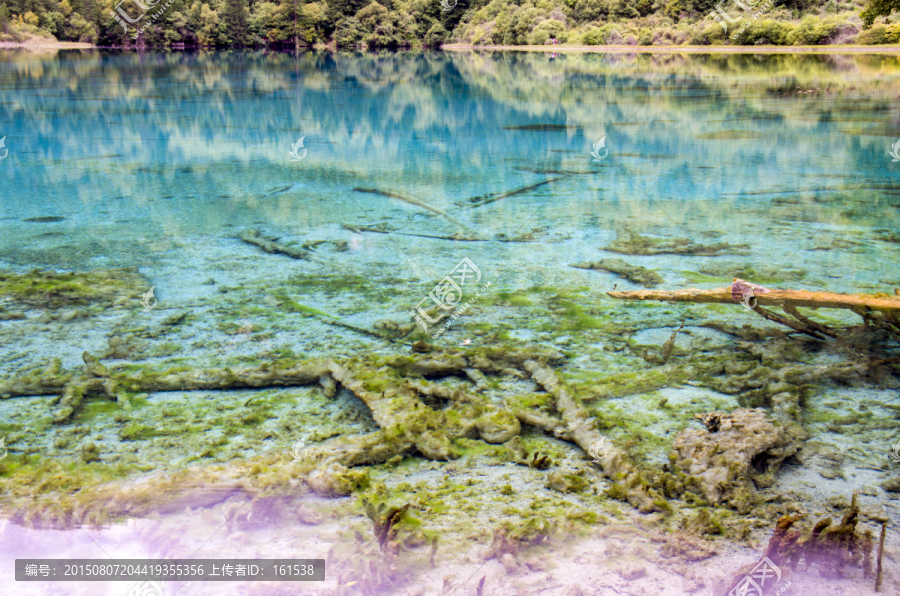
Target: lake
[{"x": 355, "y": 307}]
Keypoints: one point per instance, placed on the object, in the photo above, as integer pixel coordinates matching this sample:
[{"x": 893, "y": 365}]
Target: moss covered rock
[{"x": 734, "y": 455}]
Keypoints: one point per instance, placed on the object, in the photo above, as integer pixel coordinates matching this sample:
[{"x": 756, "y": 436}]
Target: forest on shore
[{"x": 373, "y": 24}]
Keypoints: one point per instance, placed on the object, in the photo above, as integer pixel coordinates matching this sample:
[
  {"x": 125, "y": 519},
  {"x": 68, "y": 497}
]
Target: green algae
[
  {"x": 42, "y": 475},
  {"x": 640, "y": 380},
  {"x": 627, "y": 383},
  {"x": 138, "y": 432},
  {"x": 301, "y": 308},
  {"x": 49, "y": 289},
  {"x": 514, "y": 298},
  {"x": 358, "y": 285},
  {"x": 574, "y": 317},
  {"x": 103, "y": 408},
  {"x": 530, "y": 400},
  {"x": 700, "y": 278},
  {"x": 761, "y": 275}
]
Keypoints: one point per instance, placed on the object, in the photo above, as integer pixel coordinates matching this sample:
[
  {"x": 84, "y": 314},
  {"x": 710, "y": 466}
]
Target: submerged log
[
  {"x": 255, "y": 237},
  {"x": 423, "y": 205},
  {"x": 633, "y": 273},
  {"x": 614, "y": 461},
  {"x": 880, "y": 302},
  {"x": 635, "y": 244},
  {"x": 881, "y": 310},
  {"x": 398, "y": 390},
  {"x": 457, "y": 237},
  {"x": 493, "y": 197}
]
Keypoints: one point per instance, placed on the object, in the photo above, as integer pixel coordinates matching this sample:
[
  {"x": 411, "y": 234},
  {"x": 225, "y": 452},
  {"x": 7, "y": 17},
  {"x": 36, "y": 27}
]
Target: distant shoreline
[
  {"x": 42, "y": 44},
  {"x": 835, "y": 49}
]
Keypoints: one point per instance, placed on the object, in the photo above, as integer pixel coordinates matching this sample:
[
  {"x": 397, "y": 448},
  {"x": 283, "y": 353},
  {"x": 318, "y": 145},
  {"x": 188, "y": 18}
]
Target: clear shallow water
[
  {"x": 159, "y": 161},
  {"x": 146, "y": 151}
]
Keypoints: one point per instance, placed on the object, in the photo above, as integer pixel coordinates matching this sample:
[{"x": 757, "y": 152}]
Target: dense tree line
[
  {"x": 229, "y": 23},
  {"x": 430, "y": 23}
]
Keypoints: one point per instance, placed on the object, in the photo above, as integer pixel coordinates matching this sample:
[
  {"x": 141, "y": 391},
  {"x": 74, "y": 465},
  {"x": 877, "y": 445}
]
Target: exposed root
[
  {"x": 386, "y": 229},
  {"x": 665, "y": 352},
  {"x": 829, "y": 548}
]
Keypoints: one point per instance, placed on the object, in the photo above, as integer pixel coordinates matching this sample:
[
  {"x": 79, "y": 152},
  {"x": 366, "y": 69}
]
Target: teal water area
[{"x": 133, "y": 149}]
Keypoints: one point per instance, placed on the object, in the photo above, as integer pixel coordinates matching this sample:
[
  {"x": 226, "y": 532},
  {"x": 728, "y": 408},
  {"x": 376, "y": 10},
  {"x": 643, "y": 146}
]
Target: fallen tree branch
[
  {"x": 423, "y": 205},
  {"x": 865, "y": 305},
  {"x": 879, "y": 302},
  {"x": 386, "y": 230},
  {"x": 492, "y": 197},
  {"x": 255, "y": 237},
  {"x": 614, "y": 461}
]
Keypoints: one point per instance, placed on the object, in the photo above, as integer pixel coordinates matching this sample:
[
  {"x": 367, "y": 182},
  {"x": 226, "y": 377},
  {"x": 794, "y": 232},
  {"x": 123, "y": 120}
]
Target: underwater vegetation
[
  {"x": 630, "y": 242},
  {"x": 829, "y": 548},
  {"x": 535, "y": 406},
  {"x": 55, "y": 290},
  {"x": 633, "y": 273}
]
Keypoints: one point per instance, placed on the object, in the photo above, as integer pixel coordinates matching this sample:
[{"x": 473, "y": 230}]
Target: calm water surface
[{"x": 147, "y": 155}]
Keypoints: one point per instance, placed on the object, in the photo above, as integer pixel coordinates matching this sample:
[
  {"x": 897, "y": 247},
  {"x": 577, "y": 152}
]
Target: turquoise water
[
  {"x": 411, "y": 163},
  {"x": 132, "y": 150}
]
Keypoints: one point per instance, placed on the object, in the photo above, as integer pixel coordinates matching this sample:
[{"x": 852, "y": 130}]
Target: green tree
[
  {"x": 260, "y": 19},
  {"x": 877, "y": 8},
  {"x": 436, "y": 36},
  {"x": 591, "y": 10},
  {"x": 673, "y": 10},
  {"x": 81, "y": 30},
  {"x": 315, "y": 19},
  {"x": 286, "y": 22},
  {"x": 208, "y": 30},
  {"x": 234, "y": 16}
]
